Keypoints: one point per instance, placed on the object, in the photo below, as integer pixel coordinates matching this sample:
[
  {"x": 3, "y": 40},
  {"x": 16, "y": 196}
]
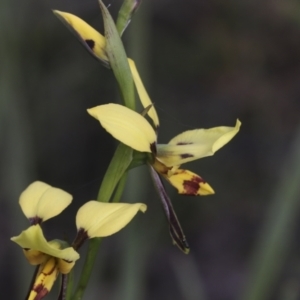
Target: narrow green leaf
[
  {"x": 278, "y": 231},
  {"x": 128, "y": 8},
  {"x": 118, "y": 59}
]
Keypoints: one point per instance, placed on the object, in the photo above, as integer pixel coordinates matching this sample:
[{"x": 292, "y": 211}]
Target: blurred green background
[{"x": 204, "y": 63}]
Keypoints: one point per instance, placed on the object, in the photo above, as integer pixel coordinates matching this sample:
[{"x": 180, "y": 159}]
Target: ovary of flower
[
  {"x": 99, "y": 219},
  {"x": 95, "y": 43},
  {"x": 49, "y": 255},
  {"x": 133, "y": 130},
  {"x": 40, "y": 201}
]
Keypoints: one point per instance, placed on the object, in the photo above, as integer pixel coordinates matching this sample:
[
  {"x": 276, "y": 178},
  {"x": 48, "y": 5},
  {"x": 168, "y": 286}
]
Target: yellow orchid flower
[
  {"x": 133, "y": 130},
  {"x": 40, "y": 202},
  {"x": 99, "y": 219},
  {"x": 53, "y": 257},
  {"x": 93, "y": 219},
  {"x": 185, "y": 147},
  {"x": 95, "y": 43}
]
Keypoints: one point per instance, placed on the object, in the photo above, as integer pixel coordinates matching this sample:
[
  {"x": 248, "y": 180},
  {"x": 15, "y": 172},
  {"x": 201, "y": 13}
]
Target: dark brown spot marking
[
  {"x": 186, "y": 155},
  {"x": 192, "y": 186},
  {"x": 41, "y": 292},
  {"x": 35, "y": 220},
  {"x": 91, "y": 44},
  {"x": 181, "y": 143},
  {"x": 153, "y": 148}
]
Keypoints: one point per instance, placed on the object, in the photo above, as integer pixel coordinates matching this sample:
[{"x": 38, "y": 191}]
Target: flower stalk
[{"x": 123, "y": 154}]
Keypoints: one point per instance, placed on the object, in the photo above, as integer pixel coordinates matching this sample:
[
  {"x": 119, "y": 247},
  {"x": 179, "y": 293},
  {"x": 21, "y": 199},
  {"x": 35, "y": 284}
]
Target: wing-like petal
[
  {"x": 144, "y": 97},
  {"x": 125, "y": 125},
  {"x": 33, "y": 238},
  {"x": 30, "y": 198},
  {"x": 93, "y": 41},
  {"x": 189, "y": 183},
  {"x": 52, "y": 203},
  {"x": 194, "y": 144},
  {"x": 101, "y": 219},
  {"x": 42, "y": 201}
]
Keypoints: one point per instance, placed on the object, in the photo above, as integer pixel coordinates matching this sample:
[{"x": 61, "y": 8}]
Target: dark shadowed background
[{"x": 205, "y": 63}]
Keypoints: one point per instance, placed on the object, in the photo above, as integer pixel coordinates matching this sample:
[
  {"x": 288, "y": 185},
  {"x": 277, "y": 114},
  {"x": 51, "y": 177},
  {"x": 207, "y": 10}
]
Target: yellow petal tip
[
  {"x": 205, "y": 189},
  {"x": 92, "y": 40}
]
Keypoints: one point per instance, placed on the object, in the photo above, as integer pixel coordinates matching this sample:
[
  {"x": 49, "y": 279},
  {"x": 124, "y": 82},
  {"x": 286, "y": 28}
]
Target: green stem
[
  {"x": 117, "y": 167},
  {"x": 123, "y": 155},
  {"x": 115, "y": 176},
  {"x": 70, "y": 285},
  {"x": 94, "y": 244}
]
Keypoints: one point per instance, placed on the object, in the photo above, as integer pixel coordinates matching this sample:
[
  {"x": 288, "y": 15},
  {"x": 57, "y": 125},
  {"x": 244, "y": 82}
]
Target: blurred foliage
[{"x": 207, "y": 63}]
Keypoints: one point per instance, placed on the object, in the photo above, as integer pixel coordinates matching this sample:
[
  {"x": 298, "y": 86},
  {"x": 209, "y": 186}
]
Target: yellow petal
[
  {"x": 189, "y": 183},
  {"x": 125, "y": 125},
  {"x": 91, "y": 38},
  {"x": 33, "y": 238},
  {"x": 45, "y": 279},
  {"x": 52, "y": 203},
  {"x": 195, "y": 144},
  {"x": 35, "y": 257},
  {"x": 101, "y": 219},
  {"x": 43, "y": 201},
  {"x": 144, "y": 97},
  {"x": 30, "y": 198},
  {"x": 64, "y": 266},
  {"x": 161, "y": 168}
]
